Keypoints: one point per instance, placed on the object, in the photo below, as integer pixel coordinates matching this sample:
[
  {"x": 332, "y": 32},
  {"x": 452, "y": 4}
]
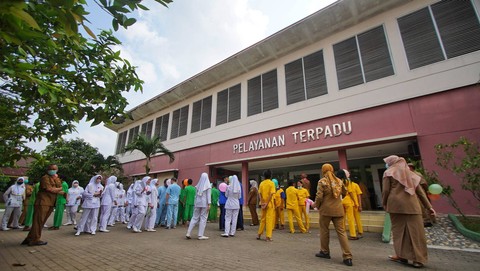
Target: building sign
[
  {"x": 308, "y": 135},
  {"x": 337, "y": 129}
]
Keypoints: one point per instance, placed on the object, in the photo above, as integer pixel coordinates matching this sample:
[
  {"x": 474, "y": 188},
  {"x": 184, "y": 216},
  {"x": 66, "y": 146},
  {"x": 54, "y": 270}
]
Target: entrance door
[{"x": 377, "y": 175}]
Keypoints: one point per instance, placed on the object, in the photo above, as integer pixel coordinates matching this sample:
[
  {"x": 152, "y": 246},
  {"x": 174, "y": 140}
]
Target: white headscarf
[
  {"x": 111, "y": 180},
  {"x": 235, "y": 186},
  {"x": 203, "y": 184},
  {"x": 144, "y": 181},
  {"x": 254, "y": 184},
  {"x": 153, "y": 183},
  {"x": 93, "y": 184}
]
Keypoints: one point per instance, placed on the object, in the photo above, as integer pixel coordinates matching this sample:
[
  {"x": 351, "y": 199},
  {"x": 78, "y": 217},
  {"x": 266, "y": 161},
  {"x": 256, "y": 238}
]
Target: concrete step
[{"x": 372, "y": 221}]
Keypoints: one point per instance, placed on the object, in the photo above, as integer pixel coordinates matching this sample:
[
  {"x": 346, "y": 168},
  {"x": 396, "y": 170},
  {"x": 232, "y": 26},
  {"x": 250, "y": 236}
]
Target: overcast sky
[{"x": 170, "y": 45}]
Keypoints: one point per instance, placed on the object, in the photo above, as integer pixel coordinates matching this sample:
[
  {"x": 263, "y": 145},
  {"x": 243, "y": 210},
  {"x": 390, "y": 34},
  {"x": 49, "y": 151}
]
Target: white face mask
[{"x": 386, "y": 165}]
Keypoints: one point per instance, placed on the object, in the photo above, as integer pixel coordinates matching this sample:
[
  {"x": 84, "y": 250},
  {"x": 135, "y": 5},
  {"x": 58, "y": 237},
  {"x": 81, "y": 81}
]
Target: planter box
[{"x": 466, "y": 232}]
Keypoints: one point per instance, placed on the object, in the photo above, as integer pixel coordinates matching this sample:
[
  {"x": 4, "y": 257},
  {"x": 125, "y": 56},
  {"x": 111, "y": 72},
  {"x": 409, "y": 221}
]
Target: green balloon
[{"x": 435, "y": 189}]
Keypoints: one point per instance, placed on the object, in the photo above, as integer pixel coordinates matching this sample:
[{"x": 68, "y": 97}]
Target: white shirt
[
  {"x": 204, "y": 200},
  {"x": 73, "y": 194}
]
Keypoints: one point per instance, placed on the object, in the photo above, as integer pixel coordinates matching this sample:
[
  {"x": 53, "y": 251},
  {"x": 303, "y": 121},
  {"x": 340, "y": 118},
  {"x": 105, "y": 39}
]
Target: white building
[{"x": 349, "y": 85}]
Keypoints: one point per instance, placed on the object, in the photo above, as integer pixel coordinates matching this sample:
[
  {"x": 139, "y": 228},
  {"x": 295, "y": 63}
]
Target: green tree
[
  {"x": 462, "y": 158},
  {"x": 149, "y": 147},
  {"x": 52, "y": 76},
  {"x": 76, "y": 160}
]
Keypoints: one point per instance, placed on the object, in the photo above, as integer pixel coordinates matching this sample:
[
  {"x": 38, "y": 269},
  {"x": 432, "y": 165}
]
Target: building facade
[{"x": 349, "y": 85}]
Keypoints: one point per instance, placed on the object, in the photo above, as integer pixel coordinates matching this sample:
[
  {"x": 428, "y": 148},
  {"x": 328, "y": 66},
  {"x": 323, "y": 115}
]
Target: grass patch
[
  {"x": 2, "y": 205},
  {"x": 470, "y": 222}
]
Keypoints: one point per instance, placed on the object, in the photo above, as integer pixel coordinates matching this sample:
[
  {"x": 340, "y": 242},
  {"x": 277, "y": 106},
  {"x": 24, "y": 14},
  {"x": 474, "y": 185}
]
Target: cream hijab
[{"x": 398, "y": 169}]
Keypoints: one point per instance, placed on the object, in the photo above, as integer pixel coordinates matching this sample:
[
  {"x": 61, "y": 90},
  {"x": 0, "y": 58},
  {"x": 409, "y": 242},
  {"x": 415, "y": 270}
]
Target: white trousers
[
  {"x": 72, "y": 213},
  {"x": 104, "y": 216},
  {"x": 121, "y": 214},
  {"x": 231, "y": 216},
  {"x": 113, "y": 214},
  {"x": 150, "y": 219},
  {"x": 16, "y": 212},
  {"x": 140, "y": 216},
  {"x": 200, "y": 215},
  {"x": 88, "y": 222}
]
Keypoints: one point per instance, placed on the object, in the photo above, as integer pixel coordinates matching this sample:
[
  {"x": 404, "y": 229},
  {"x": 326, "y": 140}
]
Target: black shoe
[
  {"x": 25, "y": 242},
  {"x": 348, "y": 262},
  {"x": 322, "y": 254}
]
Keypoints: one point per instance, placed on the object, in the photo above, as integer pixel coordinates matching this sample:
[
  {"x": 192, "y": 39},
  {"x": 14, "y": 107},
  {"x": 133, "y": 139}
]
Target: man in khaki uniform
[
  {"x": 50, "y": 186},
  {"x": 329, "y": 204}
]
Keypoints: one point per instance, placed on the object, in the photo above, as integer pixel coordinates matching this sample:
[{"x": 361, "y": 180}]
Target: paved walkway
[{"x": 169, "y": 250}]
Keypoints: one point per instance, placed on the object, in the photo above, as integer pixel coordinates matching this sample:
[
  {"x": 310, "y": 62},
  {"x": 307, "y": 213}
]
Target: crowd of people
[{"x": 149, "y": 203}]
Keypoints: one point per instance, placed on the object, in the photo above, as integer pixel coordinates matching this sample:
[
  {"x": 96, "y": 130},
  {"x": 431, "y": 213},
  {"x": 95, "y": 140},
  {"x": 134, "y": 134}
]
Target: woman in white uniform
[
  {"x": 90, "y": 206},
  {"x": 142, "y": 191},
  {"x": 121, "y": 204},
  {"x": 129, "y": 204},
  {"x": 151, "y": 215},
  {"x": 203, "y": 199},
  {"x": 108, "y": 198},
  {"x": 113, "y": 212},
  {"x": 74, "y": 198},
  {"x": 13, "y": 198},
  {"x": 232, "y": 207}
]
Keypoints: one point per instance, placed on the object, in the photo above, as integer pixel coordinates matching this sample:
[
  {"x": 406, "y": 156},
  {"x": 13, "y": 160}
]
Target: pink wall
[
  {"x": 443, "y": 118},
  {"x": 439, "y": 118}
]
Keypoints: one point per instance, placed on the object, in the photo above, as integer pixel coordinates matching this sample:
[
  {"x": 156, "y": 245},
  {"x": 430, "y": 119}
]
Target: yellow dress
[{"x": 267, "y": 188}]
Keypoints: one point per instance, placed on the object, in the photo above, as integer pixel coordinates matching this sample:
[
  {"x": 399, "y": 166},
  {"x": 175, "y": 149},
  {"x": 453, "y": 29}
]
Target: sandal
[
  {"x": 353, "y": 238},
  {"x": 417, "y": 265},
  {"x": 397, "y": 259}
]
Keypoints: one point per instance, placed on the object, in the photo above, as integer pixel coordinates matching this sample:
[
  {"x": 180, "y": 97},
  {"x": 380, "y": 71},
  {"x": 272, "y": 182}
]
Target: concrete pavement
[{"x": 121, "y": 249}]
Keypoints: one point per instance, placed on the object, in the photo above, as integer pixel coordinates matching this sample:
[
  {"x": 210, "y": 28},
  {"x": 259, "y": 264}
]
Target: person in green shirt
[
  {"x": 29, "y": 215},
  {"x": 60, "y": 207},
  {"x": 190, "y": 192},
  {"x": 181, "y": 203},
  {"x": 213, "y": 213}
]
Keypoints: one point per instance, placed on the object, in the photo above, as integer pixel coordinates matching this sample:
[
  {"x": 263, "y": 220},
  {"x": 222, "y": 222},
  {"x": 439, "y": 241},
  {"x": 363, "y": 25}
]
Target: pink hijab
[{"x": 398, "y": 169}]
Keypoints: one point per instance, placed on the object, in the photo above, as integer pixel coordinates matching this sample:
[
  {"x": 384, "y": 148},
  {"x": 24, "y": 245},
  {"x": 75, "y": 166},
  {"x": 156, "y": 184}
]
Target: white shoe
[
  {"x": 74, "y": 222},
  {"x": 224, "y": 235},
  {"x": 93, "y": 233},
  {"x": 111, "y": 225},
  {"x": 67, "y": 224},
  {"x": 151, "y": 230},
  {"x": 129, "y": 227},
  {"x": 188, "y": 236},
  {"x": 5, "y": 229},
  {"x": 202, "y": 238},
  {"x": 104, "y": 230},
  {"x": 78, "y": 233}
]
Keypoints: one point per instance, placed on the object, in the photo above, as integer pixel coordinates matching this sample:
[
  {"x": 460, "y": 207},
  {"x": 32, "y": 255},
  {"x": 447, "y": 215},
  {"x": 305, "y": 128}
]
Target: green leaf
[
  {"x": 89, "y": 31},
  {"x": 129, "y": 22},
  {"x": 25, "y": 17}
]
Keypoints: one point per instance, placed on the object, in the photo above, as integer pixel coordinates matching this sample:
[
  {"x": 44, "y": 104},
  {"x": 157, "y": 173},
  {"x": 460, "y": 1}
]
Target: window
[
  {"x": 362, "y": 58},
  {"x": 161, "y": 126},
  {"x": 133, "y": 133},
  {"x": 179, "y": 122},
  {"x": 147, "y": 129},
  {"x": 228, "y": 104},
  {"x": 262, "y": 93},
  {"x": 202, "y": 114},
  {"x": 443, "y": 30},
  {"x": 305, "y": 78},
  {"x": 122, "y": 140}
]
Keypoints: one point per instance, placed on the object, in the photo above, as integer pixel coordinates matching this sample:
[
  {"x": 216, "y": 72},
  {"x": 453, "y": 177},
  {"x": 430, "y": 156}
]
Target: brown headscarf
[
  {"x": 398, "y": 169},
  {"x": 334, "y": 182}
]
